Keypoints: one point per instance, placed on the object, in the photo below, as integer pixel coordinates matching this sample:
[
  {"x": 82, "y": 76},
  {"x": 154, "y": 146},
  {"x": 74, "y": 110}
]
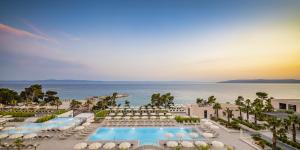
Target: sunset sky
[{"x": 157, "y": 40}]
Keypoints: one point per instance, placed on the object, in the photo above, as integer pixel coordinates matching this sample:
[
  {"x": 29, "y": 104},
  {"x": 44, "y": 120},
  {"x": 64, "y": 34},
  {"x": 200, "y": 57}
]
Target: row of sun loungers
[
  {"x": 106, "y": 145},
  {"x": 22, "y": 146},
  {"x": 138, "y": 123}
]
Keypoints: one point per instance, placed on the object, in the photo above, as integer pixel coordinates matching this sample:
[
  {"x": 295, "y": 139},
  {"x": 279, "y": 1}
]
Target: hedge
[
  {"x": 101, "y": 113},
  {"x": 45, "y": 118},
  {"x": 289, "y": 142},
  {"x": 18, "y": 114},
  {"x": 233, "y": 124},
  {"x": 186, "y": 119},
  {"x": 250, "y": 125}
]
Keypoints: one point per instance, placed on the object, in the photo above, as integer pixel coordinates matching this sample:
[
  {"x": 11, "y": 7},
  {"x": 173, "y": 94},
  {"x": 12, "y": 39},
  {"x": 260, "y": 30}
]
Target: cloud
[{"x": 21, "y": 33}]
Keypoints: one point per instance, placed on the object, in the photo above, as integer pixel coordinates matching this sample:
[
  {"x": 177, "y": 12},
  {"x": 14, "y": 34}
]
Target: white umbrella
[
  {"x": 118, "y": 117},
  {"x": 95, "y": 146},
  {"x": 208, "y": 123},
  {"x": 9, "y": 128},
  {"x": 153, "y": 117},
  {"x": 144, "y": 117},
  {"x": 80, "y": 146},
  {"x": 109, "y": 145},
  {"x": 172, "y": 144},
  {"x": 200, "y": 143},
  {"x": 136, "y": 117},
  {"x": 144, "y": 114},
  {"x": 120, "y": 114},
  {"x": 3, "y": 136},
  {"x": 108, "y": 118},
  {"x": 112, "y": 114},
  {"x": 137, "y": 114},
  {"x": 79, "y": 128},
  {"x": 30, "y": 136},
  {"x": 129, "y": 114},
  {"x": 169, "y": 135},
  {"x": 86, "y": 124},
  {"x": 127, "y": 117},
  {"x": 15, "y": 136},
  {"x": 161, "y": 114},
  {"x": 152, "y": 114},
  {"x": 124, "y": 145},
  {"x": 187, "y": 144},
  {"x": 217, "y": 144},
  {"x": 194, "y": 135},
  {"x": 171, "y": 117},
  {"x": 214, "y": 127},
  {"x": 168, "y": 114},
  {"x": 180, "y": 135},
  {"x": 207, "y": 135},
  {"x": 162, "y": 117}
]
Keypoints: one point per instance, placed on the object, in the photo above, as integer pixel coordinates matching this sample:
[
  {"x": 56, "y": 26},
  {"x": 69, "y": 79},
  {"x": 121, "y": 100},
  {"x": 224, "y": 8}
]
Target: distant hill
[
  {"x": 49, "y": 82},
  {"x": 262, "y": 81}
]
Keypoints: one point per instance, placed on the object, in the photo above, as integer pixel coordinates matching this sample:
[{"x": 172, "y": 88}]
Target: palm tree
[
  {"x": 247, "y": 108},
  {"x": 257, "y": 108},
  {"x": 211, "y": 100},
  {"x": 127, "y": 103},
  {"x": 294, "y": 119},
  {"x": 56, "y": 102},
  {"x": 113, "y": 98},
  {"x": 200, "y": 101},
  {"x": 229, "y": 114},
  {"x": 75, "y": 104},
  {"x": 18, "y": 143},
  {"x": 217, "y": 107},
  {"x": 274, "y": 124},
  {"x": 240, "y": 102}
]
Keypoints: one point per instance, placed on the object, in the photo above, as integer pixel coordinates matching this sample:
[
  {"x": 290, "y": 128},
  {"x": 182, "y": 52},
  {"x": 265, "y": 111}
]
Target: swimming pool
[
  {"x": 145, "y": 136},
  {"x": 56, "y": 123}
]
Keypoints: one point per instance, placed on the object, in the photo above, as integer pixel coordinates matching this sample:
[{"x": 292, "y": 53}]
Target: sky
[{"x": 153, "y": 40}]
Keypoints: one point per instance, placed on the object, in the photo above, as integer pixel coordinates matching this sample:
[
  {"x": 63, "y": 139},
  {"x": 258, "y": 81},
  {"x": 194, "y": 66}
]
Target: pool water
[
  {"x": 56, "y": 123},
  {"x": 145, "y": 136}
]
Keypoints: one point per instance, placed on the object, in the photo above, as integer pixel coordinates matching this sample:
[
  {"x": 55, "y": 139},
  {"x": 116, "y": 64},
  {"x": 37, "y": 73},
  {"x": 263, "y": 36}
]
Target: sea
[{"x": 139, "y": 93}]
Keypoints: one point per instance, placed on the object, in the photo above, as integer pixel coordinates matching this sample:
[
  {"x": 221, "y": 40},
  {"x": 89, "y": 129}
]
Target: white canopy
[
  {"x": 108, "y": 118},
  {"x": 153, "y": 114},
  {"x": 118, "y": 117},
  {"x": 162, "y": 117},
  {"x": 30, "y": 136},
  {"x": 144, "y": 117},
  {"x": 144, "y": 114},
  {"x": 129, "y": 114},
  {"x": 217, "y": 144},
  {"x": 153, "y": 117},
  {"x": 124, "y": 145},
  {"x": 127, "y": 117},
  {"x": 200, "y": 143},
  {"x": 207, "y": 135},
  {"x": 161, "y": 114},
  {"x": 168, "y": 114},
  {"x": 109, "y": 145},
  {"x": 3, "y": 136},
  {"x": 137, "y": 114},
  {"x": 95, "y": 145},
  {"x": 172, "y": 144},
  {"x": 136, "y": 117},
  {"x": 80, "y": 146},
  {"x": 187, "y": 144},
  {"x": 15, "y": 136},
  {"x": 112, "y": 114},
  {"x": 120, "y": 114}
]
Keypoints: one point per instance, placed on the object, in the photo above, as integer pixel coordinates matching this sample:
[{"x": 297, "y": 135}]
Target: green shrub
[
  {"x": 233, "y": 124},
  {"x": 45, "y": 118},
  {"x": 250, "y": 125},
  {"x": 60, "y": 111},
  {"x": 289, "y": 142},
  {"x": 181, "y": 119},
  {"x": 18, "y": 114},
  {"x": 261, "y": 142},
  {"x": 101, "y": 113}
]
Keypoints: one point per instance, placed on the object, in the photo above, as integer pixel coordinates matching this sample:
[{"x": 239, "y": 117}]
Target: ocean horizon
[{"x": 140, "y": 92}]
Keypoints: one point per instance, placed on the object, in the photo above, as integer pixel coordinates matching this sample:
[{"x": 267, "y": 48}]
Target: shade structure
[
  {"x": 127, "y": 117},
  {"x": 217, "y": 144},
  {"x": 171, "y": 117},
  {"x": 120, "y": 114},
  {"x": 136, "y": 117},
  {"x": 95, "y": 145},
  {"x": 124, "y": 145},
  {"x": 214, "y": 127},
  {"x": 3, "y": 136},
  {"x": 161, "y": 114},
  {"x": 152, "y": 114},
  {"x": 79, "y": 128},
  {"x": 15, "y": 136},
  {"x": 109, "y": 145},
  {"x": 168, "y": 114},
  {"x": 207, "y": 135},
  {"x": 208, "y": 123},
  {"x": 86, "y": 124},
  {"x": 80, "y": 146},
  {"x": 108, "y": 118},
  {"x": 129, "y": 114},
  {"x": 112, "y": 114},
  {"x": 29, "y": 136},
  {"x": 187, "y": 144},
  {"x": 180, "y": 135},
  {"x": 200, "y": 143},
  {"x": 144, "y": 114},
  {"x": 172, "y": 144},
  {"x": 144, "y": 117},
  {"x": 117, "y": 117},
  {"x": 9, "y": 128},
  {"x": 137, "y": 114},
  {"x": 169, "y": 135},
  {"x": 153, "y": 117},
  {"x": 194, "y": 135},
  {"x": 162, "y": 117}
]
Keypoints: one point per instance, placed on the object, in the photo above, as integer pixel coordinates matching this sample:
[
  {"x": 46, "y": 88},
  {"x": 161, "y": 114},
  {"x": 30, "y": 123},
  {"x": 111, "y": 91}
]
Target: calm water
[
  {"x": 145, "y": 136},
  {"x": 184, "y": 92}
]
